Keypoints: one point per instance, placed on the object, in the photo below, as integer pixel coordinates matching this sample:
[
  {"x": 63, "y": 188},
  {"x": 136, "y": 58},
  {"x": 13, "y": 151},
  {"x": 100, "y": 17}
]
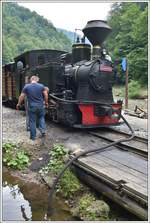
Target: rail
[{"x": 138, "y": 145}]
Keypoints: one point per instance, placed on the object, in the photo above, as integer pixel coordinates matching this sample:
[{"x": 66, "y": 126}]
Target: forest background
[{"x": 24, "y": 30}]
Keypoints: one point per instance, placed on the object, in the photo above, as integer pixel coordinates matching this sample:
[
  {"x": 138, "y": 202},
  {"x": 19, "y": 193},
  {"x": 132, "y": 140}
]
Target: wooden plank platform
[{"x": 127, "y": 171}]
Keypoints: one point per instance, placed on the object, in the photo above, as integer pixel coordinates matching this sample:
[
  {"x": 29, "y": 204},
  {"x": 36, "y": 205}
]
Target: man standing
[{"x": 37, "y": 97}]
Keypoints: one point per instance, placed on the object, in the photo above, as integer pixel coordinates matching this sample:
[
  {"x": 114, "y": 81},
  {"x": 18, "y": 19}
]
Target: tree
[{"x": 129, "y": 22}]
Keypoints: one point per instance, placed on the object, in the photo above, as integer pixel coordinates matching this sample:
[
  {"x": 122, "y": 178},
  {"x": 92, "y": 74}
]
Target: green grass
[{"x": 135, "y": 91}]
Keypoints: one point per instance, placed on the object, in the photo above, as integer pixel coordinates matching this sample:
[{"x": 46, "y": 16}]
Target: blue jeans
[{"x": 36, "y": 114}]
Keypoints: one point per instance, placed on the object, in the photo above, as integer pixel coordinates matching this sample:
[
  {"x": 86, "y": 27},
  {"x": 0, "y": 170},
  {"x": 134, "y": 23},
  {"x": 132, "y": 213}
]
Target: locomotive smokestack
[{"x": 96, "y": 31}]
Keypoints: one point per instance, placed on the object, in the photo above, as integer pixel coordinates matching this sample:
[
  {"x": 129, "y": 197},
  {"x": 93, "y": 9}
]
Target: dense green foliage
[
  {"x": 14, "y": 156},
  {"x": 24, "y": 30},
  {"x": 129, "y": 37},
  {"x": 134, "y": 89}
]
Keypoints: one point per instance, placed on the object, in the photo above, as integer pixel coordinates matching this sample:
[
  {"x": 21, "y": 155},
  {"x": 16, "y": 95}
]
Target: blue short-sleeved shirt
[{"x": 34, "y": 92}]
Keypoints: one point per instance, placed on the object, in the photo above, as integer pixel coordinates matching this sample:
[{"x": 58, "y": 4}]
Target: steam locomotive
[{"x": 80, "y": 83}]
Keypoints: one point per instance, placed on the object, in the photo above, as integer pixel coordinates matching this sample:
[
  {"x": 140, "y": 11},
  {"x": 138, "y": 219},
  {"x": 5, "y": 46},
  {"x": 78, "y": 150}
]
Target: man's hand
[
  {"x": 17, "y": 106},
  {"x": 46, "y": 104},
  {"x": 20, "y": 100}
]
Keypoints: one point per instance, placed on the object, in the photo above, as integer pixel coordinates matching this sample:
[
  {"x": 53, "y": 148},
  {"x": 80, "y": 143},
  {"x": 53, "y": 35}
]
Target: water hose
[
  {"x": 52, "y": 189},
  {"x": 79, "y": 102}
]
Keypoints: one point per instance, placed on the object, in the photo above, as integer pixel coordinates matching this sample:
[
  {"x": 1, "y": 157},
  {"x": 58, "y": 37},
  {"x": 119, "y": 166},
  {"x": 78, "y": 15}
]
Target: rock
[
  {"x": 49, "y": 179},
  {"x": 89, "y": 208},
  {"x": 100, "y": 208},
  {"x": 38, "y": 163}
]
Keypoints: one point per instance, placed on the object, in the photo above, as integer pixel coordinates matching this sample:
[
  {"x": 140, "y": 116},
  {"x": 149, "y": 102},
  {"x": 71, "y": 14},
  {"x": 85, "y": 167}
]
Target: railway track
[{"x": 137, "y": 145}]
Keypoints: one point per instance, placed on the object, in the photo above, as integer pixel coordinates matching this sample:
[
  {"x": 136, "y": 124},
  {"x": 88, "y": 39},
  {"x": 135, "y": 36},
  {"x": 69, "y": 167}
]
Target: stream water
[{"x": 23, "y": 201}]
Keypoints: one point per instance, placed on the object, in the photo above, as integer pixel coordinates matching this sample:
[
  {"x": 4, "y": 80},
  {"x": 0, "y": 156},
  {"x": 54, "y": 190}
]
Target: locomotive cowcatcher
[{"x": 80, "y": 83}]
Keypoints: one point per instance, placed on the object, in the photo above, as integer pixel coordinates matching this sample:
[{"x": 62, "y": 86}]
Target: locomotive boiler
[{"x": 80, "y": 82}]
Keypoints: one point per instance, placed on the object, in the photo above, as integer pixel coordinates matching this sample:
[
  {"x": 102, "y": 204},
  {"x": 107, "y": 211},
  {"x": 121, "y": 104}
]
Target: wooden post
[{"x": 126, "y": 86}]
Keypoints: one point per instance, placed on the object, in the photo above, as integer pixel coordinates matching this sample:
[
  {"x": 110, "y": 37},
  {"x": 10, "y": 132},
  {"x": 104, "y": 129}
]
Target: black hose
[
  {"x": 62, "y": 100},
  {"x": 52, "y": 190},
  {"x": 79, "y": 102}
]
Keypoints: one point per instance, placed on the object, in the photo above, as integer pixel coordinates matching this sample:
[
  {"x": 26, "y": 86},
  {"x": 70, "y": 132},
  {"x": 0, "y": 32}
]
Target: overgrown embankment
[{"x": 82, "y": 202}]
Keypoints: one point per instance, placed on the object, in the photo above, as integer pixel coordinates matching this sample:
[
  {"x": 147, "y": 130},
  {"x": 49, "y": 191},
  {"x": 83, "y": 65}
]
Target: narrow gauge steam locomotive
[{"x": 80, "y": 83}]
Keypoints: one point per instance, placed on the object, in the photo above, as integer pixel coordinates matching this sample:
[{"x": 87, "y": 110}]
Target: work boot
[
  {"x": 34, "y": 142},
  {"x": 42, "y": 135}
]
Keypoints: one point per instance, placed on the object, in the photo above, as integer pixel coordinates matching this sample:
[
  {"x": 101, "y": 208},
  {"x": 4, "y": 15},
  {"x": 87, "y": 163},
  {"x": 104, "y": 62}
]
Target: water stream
[{"x": 23, "y": 201}]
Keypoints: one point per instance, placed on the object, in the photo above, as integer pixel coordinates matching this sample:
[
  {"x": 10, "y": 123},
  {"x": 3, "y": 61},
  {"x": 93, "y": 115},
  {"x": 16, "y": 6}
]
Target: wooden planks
[{"x": 120, "y": 166}]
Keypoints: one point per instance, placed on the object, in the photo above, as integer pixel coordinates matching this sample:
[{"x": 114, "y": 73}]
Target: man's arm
[
  {"x": 20, "y": 100},
  {"x": 45, "y": 93}
]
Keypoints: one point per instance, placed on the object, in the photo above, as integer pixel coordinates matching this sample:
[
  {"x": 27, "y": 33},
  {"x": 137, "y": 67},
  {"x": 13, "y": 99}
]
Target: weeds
[
  {"x": 14, "y": 156},
  {"x": 85, "y": 202},
  {"x": 87, "y": 206},
  {"x": 69, "y": 183},
  {"x": 91, "y": 209}
]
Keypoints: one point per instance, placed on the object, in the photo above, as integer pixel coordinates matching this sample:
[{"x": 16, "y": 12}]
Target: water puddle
[{"x": 23, "y": 201}]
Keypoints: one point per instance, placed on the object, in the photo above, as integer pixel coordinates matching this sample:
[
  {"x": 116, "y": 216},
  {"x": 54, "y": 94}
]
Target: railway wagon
[
  {"x": 16, "y": 74},
  {"x": 9, "y": 83}
]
